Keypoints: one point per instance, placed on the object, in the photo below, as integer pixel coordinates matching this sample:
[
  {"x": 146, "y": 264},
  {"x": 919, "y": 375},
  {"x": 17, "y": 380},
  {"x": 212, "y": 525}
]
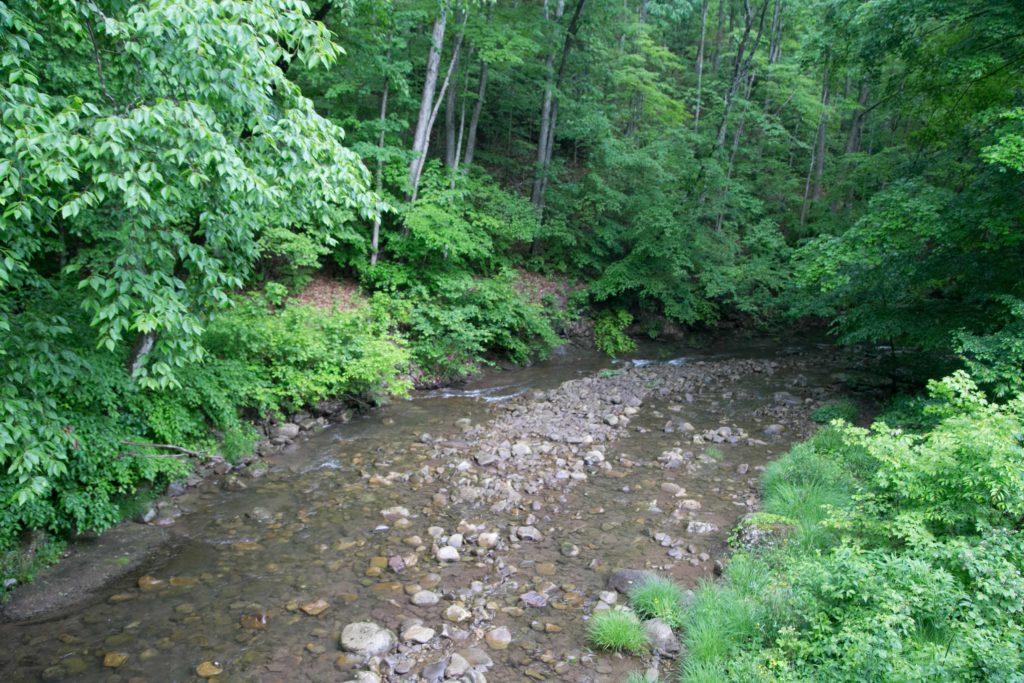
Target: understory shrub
[
  {"x": 78, "y": 436},
  {"x": 610, "y": 332},
  {"x": 906, "y": 562}
]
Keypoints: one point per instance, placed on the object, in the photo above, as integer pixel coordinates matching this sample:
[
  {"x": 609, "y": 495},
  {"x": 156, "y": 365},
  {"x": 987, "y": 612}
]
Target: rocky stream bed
[{"x": 464, "y": 535}]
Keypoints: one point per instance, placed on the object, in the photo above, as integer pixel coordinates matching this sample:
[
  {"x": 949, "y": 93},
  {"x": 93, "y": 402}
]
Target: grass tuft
[
  {"x": 659, "y": 598},
  {"x": 617, "y": 630}
]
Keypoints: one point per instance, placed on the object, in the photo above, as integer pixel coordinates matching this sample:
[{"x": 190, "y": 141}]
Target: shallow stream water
[{"x": 230, "y": 588}]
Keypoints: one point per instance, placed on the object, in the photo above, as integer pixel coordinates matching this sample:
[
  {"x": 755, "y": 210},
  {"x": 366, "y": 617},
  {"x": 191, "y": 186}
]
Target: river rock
[
  {"x": 487, "y": 540},
  {"x": 367, "y": 639},
  {"x": 774, "y": 430},
  {"x": 208, "y": 670},
  {"x": 113, "y": 660},
  {"x": 418, "y": 634},
  {"x": 393, "y": 514},
  {"x": 447, "y": 553},
  {"x": 457, "y": 613},
  {"x": 529, "y": 533},
  {"x": 661, "y": 637},
  {"x": 624, "y": 580},
  {"x": 425, "y": 598},
  {"x": 499, "y": 638},
  {"x": 457, "y": 665},
  {"x": 286, "y": 431}
]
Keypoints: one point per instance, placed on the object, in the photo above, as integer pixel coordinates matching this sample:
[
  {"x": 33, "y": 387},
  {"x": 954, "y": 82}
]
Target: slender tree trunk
[
  {"x": 421, "y": 138},
  {"x": 144, "y": 343},
  {"x": 375, "y": 237},
  {"x": 548, "y": 136},
  {"x": 859, "y": 117},
  {"x": 474, "y": 119},
  {"x": 449, "y": 124},
  {"x": 462, "y": 132},
  {"x": 700, "y": 62},
  {"x": 545, "y": 110},
  {"x": 716, "y": 58},
  {"x": 416, "y": 167},
  {"x": 820, "y": 142},
  {"x": 742, "y": 65}
]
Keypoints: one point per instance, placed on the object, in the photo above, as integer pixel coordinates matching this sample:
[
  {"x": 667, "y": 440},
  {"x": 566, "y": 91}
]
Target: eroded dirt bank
[{"x": 473, "y": 532}]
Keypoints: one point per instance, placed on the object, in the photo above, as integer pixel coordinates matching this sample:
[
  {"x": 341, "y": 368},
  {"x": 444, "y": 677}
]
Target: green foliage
[
  {"x": 610, "y": 332},
  {"x": 299, "y": 355},
  {"x": 658, "y": 598},
  {"x": 916, "y": 569},
  {"x": 836, "y": 410},
  {"x": 16, "y": 564},
  {"x": 617, "y": 630}
]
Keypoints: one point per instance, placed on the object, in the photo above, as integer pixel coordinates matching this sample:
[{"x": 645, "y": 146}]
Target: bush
[
  {"x": 617, "y": 630},
  {"x": 910, "y": 565},
  {"x": 610, "y": 332},
  {"x": 837, "y": 410}
]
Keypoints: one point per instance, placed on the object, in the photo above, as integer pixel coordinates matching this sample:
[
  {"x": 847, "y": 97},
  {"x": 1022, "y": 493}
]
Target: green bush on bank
[
  {"x": 905, "y": 561},
  {"x": 74, "y": 425}
]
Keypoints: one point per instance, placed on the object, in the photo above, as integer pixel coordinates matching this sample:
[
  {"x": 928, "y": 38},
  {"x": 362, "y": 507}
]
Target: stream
[{"x": 478, "y": 525}]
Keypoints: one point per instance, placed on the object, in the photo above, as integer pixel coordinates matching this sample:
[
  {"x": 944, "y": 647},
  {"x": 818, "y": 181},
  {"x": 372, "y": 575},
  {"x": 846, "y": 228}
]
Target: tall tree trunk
[
  {"x": 474, "y": 119},
  {"x": 716, "y": 58},
  {"x": 375, "y": 237},
  {"x": 421, "y": 138},
  {"x": 418, "y": 162},
  {"x": 462, "y": 131},
  {"x": 741, "y": 66},
  {"x": 700, "y": 62},
  {"x": 449, "y": 124},
  {"x": 820, "y": 142},
  {"x": 545, "y": 110},
  {"x": 546, "y": 141},
  {"x": 813, "y": 186},
  {"x": 859, "y": 117}
]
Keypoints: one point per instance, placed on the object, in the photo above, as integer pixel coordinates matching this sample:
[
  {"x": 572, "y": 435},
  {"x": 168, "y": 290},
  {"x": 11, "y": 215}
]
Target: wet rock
[
  {"x": 696, "y": 527},
  {"x": 315, "y": 608},
  {"x": 529, "y": 533},
  {"x": 624, "y": 580},
  {"x": 457, "y": 614},
  {"x": 774, "y": 430},
  {"x": 661, "y": 637},
  {"x": 417, "y": 634},
  {"x": 486, "y": 458},
  {"x": 499, "y": 638},
  {"x": 286, "y": 431},
  {"x": 487, "y": 540},
  {"x": 256, "y": 622},
  {"x": 742, "y": 468},
  {"x": 393, "y": 514},
  {"x": 113, "y": 660},
  {"x": 457, "y": 666},
  {"x": 784, "y": 398},
  {"x": 425, "y": 598},
  {"x": 671, "y": 489},
  {"x": 534, "y": 599},
  {"x": 432, "y": 673},
  {"x": 208, "y": 670},
  {"x": 367, "y": 639},
  {"x": 447, "y": 553}
]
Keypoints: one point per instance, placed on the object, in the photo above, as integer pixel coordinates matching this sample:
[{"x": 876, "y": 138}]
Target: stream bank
[{"x": 477, "y": 528}]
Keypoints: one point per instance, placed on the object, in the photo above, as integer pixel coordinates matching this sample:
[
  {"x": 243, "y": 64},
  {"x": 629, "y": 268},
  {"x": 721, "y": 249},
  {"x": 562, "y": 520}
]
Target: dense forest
[{"x": 176, "y": 172}]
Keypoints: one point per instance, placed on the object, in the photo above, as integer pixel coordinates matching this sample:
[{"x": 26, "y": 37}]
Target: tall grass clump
[
  {"x": 617, "y": 630},
  {"x": 659, "y": 598}
]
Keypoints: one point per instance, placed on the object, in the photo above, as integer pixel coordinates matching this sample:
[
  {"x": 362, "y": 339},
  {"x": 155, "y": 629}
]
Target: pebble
[
  {"x": 425, "y": 598},
  {"x": 418, "y": 634},
  {"x": 457, "y": 613},
  {"x": 367, "y": 639},
  {"x": 113, "y": 660},
  {"x": 499, "y": 638},
  {"x": 447, "y": 553}
]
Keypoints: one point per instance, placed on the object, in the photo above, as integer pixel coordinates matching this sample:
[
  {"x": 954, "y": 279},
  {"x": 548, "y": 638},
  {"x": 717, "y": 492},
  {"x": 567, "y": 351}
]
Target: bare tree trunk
[
  {"x": 742, "y": 65},
  {"x": 700, "y": 62},
  {"x": 375, "y": 237},
  {"x": 462, "y": 131},
  {"x": 474, "y": 120},
  {"x": 820, "y": 142},
  {"x": 716, "y": 59},
  {"x": 449, "y": 123},
  {"x": 859, "y": 117},
  {"x": 143, "y": 345},
  {"x": 545, "y": 110},
  {"x": 422, "y": 159},
  {"x": 548, "y": 135},
  {"x": 421, "y": 138}
]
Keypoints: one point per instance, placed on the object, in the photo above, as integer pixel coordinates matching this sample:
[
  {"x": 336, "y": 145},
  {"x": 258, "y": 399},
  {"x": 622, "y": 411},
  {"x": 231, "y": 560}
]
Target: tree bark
[
  {"x": 859, "y": 118},
  {"x": 716, "y": 58},
  {"x": 546, "y": 141},
  {"x": 449, "y": 124},
  {"x": 474, "y": 119},
  {"x": 813, "y": 186},
  {"x": 420, "y": 159},
  {"x": 421, "y": 138},
  {"x": 742, "y": 65},
  {"x": 375, "y": 237},
  {"x": 700, "y": 62}
]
